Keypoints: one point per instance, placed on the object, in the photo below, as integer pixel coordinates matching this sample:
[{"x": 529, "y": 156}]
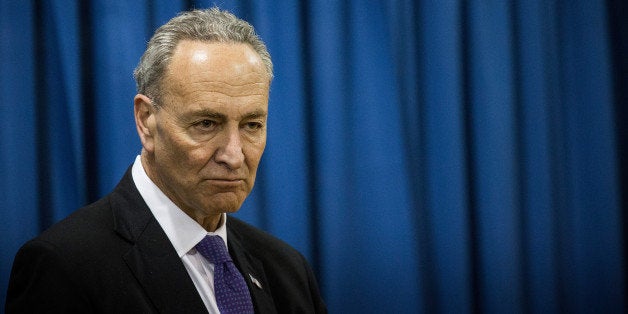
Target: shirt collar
[{"x": 182, "y": 231}]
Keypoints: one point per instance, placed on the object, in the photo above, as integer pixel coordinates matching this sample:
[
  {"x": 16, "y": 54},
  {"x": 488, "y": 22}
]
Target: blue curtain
[{"x": 426, "y": 156}]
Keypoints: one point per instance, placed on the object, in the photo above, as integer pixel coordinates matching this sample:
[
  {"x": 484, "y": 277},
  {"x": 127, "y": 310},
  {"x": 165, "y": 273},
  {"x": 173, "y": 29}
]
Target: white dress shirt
[{"x": 183, "y": 232}]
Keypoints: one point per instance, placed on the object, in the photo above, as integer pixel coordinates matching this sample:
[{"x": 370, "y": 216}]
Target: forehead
[
  {"x": 202, "y": 72},
  {"x": 209, "y": 61}
]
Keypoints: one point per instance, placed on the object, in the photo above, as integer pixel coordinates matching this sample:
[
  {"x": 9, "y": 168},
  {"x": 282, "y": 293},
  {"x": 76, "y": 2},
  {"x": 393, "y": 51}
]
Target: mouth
[{"x": 226, "y": 182}]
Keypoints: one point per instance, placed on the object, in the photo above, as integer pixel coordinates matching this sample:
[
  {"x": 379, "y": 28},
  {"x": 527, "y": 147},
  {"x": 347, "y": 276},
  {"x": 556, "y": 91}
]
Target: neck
[{"x": 210, "y": 223}]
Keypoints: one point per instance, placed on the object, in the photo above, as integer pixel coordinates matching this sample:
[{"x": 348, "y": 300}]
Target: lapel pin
[{"x": 255, "y": 282}]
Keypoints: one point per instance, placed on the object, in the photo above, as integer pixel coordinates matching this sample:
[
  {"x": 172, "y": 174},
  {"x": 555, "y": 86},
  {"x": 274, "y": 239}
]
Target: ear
[{"x": 145, "y": 121}]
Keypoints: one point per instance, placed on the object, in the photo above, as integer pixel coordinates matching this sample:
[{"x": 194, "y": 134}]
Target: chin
[
  {"x": 225, "y": 207},
  {"x": 214, "y": 201}
]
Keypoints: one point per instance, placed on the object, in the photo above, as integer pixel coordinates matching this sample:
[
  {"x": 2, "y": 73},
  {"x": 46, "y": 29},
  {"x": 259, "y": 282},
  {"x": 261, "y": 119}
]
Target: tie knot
[{"x": 213, "y": 249}]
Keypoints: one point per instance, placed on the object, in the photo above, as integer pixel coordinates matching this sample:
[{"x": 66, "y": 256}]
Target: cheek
[
  {"x": 179, "y": 150},
  {"x": 254, "y": 155},
  {"x": 198, "y": 152},
  {"x": 189, "y": 159}
]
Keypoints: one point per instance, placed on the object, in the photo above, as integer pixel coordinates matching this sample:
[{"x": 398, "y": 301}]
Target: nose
[{"x": 229, "y": 153}]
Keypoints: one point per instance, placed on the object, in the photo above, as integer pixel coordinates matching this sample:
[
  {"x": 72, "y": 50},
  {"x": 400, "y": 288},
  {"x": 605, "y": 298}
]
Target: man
[{"x": 200, "y": 113}]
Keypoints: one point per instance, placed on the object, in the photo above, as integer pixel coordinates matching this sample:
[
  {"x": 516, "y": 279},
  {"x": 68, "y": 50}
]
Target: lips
[
  {"x": 225, "y": 179},
  {"x": 226, "y": 182}
]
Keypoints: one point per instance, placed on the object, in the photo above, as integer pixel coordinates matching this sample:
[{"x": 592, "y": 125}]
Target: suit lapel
[
  {"x": 159, "y": 270},
  {"x": 152, "y": 259},
  {"x": 253, "y": 271}
]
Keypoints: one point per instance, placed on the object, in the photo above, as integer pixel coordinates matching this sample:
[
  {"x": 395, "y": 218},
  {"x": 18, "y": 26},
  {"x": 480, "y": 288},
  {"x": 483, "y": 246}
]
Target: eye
[
  {"x": 206, "y": 124},
  {"x": 252, "y": 126}
]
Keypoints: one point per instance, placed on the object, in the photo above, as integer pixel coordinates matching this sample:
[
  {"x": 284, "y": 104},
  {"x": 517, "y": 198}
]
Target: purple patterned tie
[{"x": 232, "y": 295}]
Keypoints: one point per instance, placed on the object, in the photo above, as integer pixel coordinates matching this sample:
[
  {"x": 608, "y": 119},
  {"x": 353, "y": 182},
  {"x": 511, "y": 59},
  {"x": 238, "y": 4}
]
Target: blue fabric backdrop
[{"x": 426, "y": 156}]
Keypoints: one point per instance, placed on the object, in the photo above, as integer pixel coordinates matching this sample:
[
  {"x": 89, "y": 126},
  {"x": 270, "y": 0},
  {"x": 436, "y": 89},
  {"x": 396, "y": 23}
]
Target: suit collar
[
  {"x": 152, "y": 258},
  {"x": 130, "y": 212},
  {"x": 253, "y": 271}
]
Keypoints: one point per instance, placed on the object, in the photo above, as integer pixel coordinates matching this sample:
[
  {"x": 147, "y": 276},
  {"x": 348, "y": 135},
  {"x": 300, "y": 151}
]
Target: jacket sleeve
[{"x": 43, "y": 281}]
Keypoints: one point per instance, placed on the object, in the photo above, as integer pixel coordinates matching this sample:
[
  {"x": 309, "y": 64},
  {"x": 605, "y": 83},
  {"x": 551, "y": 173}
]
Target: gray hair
[{"x": 210, "y": 25}]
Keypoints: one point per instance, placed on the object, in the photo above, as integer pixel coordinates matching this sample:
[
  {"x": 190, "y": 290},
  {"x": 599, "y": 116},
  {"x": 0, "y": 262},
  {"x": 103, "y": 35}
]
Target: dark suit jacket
[{"x": 113, "y": 257}]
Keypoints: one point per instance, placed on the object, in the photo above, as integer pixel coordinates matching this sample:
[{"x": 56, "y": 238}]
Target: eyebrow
[
  {"x": 217, "y": 115},
  {"x": 255, "y": 114}
]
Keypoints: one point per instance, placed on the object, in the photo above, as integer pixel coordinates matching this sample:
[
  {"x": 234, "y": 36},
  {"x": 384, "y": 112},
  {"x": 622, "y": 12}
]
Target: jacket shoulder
[
  {"x": 259, "y": 241},
  {"x": 291, "y": 279}
]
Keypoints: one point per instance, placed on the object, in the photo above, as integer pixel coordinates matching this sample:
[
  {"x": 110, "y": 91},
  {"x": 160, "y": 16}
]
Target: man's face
[{"x": 209, "y": 133}]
